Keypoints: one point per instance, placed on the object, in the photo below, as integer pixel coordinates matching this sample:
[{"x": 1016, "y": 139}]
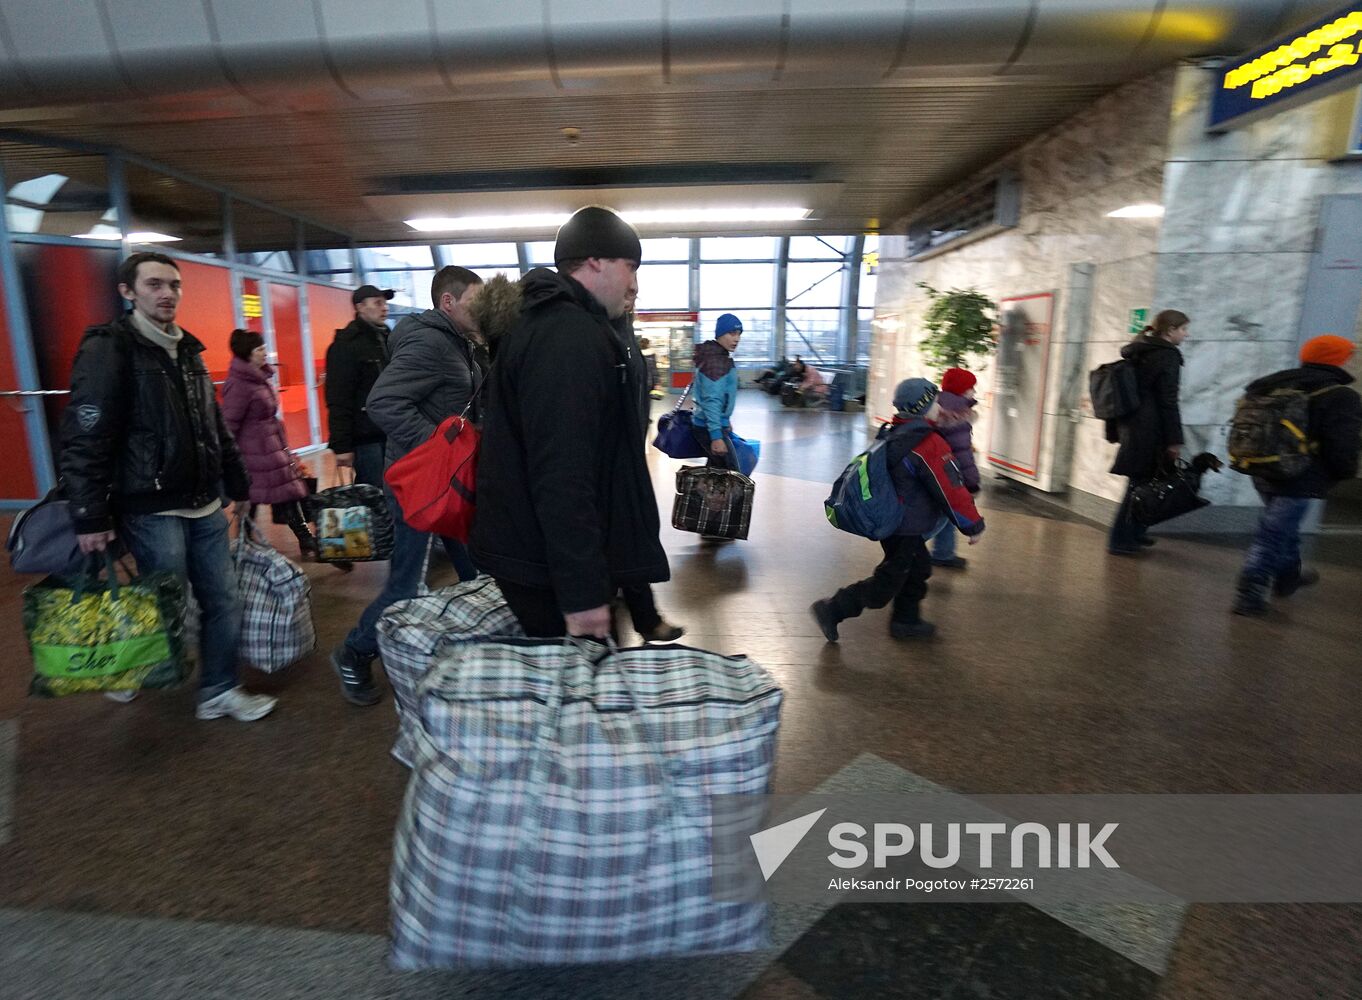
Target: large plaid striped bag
[
  {"x": 276, "y": 604},
  {"x": 558, "y": 810},
  {"x": 411, "y": 632},
  {"x": 716, "y": 503}
]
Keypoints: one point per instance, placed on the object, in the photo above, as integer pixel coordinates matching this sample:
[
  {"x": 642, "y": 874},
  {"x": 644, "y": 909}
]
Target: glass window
[
  {"x": 738, "y": 248},
  {"x": 755, "y": 344},
  {"x": 677, "y": 249},
  {"x": 541, "y": 254},
  {"x": 412, "y": 288},
  {"x": 328, "y": 256},
  {"x": 663, "y": 287},
  {"x": 817, "y": 247},
  {"x": 865, "y": 332},
  {"x": 734, "y": 287},
  {"x": 263, "y": 238},
  {"x": 813, "y": 333},
  {"x": 814, "y": 285},
  {"x": 381, "y": 258},
  {"x": 164, "y": 209},
  {"x": 476, "y": 255},
  {"x": 56, "y": 192}
]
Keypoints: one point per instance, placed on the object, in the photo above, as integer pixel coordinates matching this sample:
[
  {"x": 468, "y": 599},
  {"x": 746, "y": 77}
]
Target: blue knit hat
[
  {"x": 727, "y": 323},
  {"x": 914, "y": 396}
]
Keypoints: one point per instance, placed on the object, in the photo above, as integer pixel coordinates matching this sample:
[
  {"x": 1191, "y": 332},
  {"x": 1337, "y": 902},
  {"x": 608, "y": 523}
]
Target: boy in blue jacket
[
  {"x": 930, "y": 485},
  {"x": 716, "y": 391}
]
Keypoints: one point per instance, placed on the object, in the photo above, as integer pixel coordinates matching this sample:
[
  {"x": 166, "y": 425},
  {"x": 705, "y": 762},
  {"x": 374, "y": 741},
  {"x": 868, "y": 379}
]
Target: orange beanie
[{"x": 1327, "y": 350}]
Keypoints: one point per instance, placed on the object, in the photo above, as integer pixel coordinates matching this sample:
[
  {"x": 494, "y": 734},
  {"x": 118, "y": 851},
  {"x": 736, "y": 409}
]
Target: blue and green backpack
[{"x": 864, "y": 501}]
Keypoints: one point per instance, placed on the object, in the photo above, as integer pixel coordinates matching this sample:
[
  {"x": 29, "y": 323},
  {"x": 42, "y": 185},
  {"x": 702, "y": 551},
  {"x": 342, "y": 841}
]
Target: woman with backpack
[{"x": 1151, "y": 436}]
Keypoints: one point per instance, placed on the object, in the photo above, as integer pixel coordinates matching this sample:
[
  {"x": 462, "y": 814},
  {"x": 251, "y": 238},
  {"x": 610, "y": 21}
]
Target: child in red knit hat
[{"x": 956, "y": 424}]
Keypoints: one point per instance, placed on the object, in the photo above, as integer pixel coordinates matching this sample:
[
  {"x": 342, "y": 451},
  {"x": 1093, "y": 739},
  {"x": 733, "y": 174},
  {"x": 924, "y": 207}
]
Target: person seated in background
[{"x": 770, "y": 378}]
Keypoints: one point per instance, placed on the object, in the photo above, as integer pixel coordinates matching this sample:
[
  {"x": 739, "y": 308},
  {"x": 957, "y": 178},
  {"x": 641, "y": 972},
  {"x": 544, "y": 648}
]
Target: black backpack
[{"x": 1114, "y": 391}]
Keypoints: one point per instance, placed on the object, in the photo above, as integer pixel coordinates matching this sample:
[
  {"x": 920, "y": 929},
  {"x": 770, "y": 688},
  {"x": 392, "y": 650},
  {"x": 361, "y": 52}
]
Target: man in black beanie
[{"x": 566, "y": 510}]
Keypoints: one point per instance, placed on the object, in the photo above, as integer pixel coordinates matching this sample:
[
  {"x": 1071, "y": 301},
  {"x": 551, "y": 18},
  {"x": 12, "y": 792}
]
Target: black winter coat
[
  {"x": 354, "y": 361},
  {"x": 1147, "y": 434},
  {"x": 1335, "y": 427},
  {"x": 143, "y": 433},
  {"x": 432, "y": 374},
  {"x": 564, "y": 497}
]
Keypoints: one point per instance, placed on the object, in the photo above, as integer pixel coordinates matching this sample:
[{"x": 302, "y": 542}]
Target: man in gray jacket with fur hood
[{"x": 436, "y": 369}]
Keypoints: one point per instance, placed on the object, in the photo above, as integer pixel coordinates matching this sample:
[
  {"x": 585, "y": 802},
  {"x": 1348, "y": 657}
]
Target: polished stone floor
[{"x": 147, "y": 855}]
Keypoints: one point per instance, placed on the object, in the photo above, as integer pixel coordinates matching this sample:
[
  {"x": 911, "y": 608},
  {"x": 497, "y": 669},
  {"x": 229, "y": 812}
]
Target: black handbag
[
  {"x": 1171, "y": 494},
  {"x": 352, "y": 523}
]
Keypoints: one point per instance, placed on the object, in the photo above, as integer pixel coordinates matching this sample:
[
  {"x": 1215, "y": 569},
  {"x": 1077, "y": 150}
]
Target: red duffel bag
[{"x": 434, "y": 482}]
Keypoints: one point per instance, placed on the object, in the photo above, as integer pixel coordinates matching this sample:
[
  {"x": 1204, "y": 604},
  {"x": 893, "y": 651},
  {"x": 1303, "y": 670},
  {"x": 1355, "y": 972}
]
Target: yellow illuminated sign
[
  {"x": 1282, "y": 68},
  {"x": 250, "y": 306}
]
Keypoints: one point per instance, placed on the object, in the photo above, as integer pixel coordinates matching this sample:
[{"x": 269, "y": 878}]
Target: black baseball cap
[{"x": 370, "y": 292}]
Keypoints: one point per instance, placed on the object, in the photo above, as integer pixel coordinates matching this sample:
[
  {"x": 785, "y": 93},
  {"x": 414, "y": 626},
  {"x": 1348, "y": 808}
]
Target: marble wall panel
[
  {"x": 1234, "y": 296},
  {"x": 1238, "y": 206}
]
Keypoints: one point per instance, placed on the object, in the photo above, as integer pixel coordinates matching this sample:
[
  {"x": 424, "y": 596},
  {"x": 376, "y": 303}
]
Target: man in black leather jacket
[{"x": 146, "y": 455}]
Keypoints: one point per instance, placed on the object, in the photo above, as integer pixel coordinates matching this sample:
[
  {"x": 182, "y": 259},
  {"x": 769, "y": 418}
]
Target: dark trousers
[
  {"x": 369, "y": 463},
  {"x": 536, "y": 608},
  {"x": 901, "y": 577},
  {"x": 638, "y": 598},
  {"x": 1126, "y": 532},
  {"x": 728, "y": 461}
]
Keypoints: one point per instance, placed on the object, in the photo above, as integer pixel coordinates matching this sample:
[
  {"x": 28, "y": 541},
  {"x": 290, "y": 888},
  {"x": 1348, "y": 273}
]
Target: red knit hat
[
  {"x": 958, "y": 381},
  {"x": 1327, "y": 350}
]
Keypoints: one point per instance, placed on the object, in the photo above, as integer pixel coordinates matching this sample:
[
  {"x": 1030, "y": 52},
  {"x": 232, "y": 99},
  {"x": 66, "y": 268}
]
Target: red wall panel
[
  {"x": 329, "y": 309},
  {"x": 16, "y": 466},
  {"x": 288, "y": 341},
  {"x": 206, "y": 312}
]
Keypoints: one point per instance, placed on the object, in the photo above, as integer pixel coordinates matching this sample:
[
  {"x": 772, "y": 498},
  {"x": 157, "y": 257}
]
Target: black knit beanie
[{"x": 596, "y": 232}]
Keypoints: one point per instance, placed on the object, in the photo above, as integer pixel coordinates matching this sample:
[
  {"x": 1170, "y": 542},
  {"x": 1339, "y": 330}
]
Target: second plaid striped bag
[{"x": 410, "y": 634}]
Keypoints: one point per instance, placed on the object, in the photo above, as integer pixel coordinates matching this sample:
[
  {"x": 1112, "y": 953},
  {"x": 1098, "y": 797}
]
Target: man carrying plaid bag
[
  {"x": 566, "y": 510},
  {"x": 144, "y": 446}
]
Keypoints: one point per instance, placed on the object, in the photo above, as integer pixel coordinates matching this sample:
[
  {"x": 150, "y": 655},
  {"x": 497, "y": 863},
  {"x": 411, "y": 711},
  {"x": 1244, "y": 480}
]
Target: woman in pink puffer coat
[{"x": 249, "y": 407}]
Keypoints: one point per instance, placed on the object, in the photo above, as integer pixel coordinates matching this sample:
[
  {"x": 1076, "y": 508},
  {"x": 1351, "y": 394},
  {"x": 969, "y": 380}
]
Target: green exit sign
[{"x": 1139, "y": 319}]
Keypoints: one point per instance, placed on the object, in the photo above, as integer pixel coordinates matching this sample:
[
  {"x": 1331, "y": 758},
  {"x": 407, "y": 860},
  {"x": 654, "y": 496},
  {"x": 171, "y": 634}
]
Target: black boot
[
  {"x": 307, "y": 544},
  {"x": 1250, "y": 597},
  {"x": 907, "y": 624},
  {"x": 826, "y": 618}
]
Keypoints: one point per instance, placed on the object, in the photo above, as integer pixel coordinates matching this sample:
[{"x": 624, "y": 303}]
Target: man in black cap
[
  {"x": 353, "y": 363},
  {"x": 566, "y": 511}
]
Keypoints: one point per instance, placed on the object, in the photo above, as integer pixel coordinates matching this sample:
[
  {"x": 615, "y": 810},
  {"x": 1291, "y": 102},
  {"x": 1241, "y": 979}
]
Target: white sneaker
[
  {"x": 237, "y": 703},
  {"x": 122, "y": 697}
]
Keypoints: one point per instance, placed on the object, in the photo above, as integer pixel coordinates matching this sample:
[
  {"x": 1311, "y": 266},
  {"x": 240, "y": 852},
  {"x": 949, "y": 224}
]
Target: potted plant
[{"x": 960, "y": 323}]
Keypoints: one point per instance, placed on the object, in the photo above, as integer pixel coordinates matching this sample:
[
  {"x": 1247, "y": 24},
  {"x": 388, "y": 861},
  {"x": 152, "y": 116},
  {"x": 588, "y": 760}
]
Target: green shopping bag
[{"x": 93, "y": 634}]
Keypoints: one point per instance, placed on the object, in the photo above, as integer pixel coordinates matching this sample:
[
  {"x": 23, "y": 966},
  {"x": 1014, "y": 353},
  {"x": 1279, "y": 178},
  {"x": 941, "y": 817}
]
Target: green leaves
[{"x": 959, "y": 323}]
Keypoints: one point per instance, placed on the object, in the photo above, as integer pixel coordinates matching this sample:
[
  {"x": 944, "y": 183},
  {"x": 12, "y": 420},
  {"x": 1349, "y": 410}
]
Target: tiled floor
[{"x": 150, "y": 855}]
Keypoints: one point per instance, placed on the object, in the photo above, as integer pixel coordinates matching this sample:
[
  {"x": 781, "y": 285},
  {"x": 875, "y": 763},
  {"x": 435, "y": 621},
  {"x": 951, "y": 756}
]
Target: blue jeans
[
  {"x": 404, "y": 577},
  {"x": 369, "y": 463},
  {"x": 196, "y": 550},
  {"x": 943, "y": 542},
  {"x": 1276, "y": 549}
]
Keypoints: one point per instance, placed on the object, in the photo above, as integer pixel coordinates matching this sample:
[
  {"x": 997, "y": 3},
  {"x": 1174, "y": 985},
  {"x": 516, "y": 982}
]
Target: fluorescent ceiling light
[
  {"x": 110, "y": 233},
  {"x": 650, "y": 217},
  {"x": 1141, "y": 211}
]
